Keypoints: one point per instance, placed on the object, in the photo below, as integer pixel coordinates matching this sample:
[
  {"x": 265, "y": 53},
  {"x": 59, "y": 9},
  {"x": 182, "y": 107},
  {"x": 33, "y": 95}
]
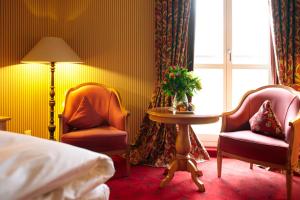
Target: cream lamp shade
[{"x": 51, "y": 49}]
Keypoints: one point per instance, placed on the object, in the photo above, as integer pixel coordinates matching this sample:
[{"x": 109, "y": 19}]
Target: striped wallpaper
[{"x": 114, "y": 38}]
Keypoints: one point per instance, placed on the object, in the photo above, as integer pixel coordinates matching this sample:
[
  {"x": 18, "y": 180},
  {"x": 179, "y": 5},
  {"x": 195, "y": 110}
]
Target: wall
[{"x": 114, "y": 38}]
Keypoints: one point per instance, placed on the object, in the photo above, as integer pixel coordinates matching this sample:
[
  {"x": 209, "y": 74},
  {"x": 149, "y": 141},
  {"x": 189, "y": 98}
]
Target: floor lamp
[{"x": 51, "y": 50}]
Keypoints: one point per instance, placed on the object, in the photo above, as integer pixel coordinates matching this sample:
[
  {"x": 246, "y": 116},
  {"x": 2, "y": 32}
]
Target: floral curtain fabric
[
  {"x": 155, "y": 144},
  {"x": 286, "y": 28}
]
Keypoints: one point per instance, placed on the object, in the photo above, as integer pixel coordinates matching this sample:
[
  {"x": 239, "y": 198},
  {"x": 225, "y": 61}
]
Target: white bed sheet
[{"x": 34, "y": 168}]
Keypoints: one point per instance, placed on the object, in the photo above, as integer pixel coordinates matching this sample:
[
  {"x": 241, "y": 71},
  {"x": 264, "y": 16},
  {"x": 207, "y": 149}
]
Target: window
[{"x": 232, "y": 54}]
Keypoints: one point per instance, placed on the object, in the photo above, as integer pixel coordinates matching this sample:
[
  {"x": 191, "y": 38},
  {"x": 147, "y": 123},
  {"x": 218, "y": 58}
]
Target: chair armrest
[
  {"x": 235, "y": 120},
  {"x": 126, "y": 114},
  {"x": 295, "y": 121},
  {"x": 60, "y": 131},
  {"x": 224, "y": 120},
  {"x": 118, "y": 115},
  {"x": 294, "y": 145}
]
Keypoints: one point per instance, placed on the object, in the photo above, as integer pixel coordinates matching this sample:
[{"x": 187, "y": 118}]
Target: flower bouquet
[{"x": 179, "y": 83}]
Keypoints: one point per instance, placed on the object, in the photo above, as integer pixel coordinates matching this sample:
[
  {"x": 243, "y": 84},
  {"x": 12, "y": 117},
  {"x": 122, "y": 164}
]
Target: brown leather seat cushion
[
  {"x": 254, "y": 146},
  {"x": 99, "y": 139}
]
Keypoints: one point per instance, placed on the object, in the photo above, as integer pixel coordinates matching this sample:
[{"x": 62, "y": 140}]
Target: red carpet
[{"x": 237, "y": 182}]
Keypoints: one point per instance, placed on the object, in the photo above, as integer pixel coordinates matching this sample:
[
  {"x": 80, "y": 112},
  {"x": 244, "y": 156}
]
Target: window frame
[{"x": 210, "y": 139}]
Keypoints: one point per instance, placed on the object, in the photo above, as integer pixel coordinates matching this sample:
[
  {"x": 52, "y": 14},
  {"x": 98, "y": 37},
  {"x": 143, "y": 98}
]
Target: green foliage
[{"x": 180, "y": 81}]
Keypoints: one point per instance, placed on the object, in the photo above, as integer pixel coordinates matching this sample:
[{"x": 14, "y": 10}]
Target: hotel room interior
[{"x": 87, "y": 110}]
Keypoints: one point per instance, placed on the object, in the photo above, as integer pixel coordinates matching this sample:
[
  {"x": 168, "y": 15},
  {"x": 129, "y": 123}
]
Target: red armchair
[
  {"x": 110, "y": 135},
  {"x": 237, "y": 141}
]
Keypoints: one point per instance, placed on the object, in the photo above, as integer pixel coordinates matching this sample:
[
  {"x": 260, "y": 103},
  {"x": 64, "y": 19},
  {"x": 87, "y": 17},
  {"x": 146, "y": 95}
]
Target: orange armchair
[
  {"x": 237, "y": 141},
  {"x": 103, "y": 115}
]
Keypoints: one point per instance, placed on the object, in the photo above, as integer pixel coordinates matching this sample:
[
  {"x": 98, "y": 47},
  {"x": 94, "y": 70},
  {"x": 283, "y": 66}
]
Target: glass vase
[{"x": 180, "y": 102}]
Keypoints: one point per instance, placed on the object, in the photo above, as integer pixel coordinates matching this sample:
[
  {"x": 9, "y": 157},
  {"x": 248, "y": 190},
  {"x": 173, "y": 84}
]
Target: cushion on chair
[
  {"x": 254, "y": 146},
  {"x": 85, "y": 116},
  {"x": 283, "y": 103},
  {"x": 99, "y": 98},
  {"x": 265, "y": 122},
  {"x": 99, "y": 139}
]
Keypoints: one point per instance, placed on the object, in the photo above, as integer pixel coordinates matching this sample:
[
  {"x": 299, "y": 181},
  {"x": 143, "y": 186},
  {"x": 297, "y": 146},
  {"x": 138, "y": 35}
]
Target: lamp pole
[
  {"x": 52, "y": 126},
  {"x": 45, "y": 51}
]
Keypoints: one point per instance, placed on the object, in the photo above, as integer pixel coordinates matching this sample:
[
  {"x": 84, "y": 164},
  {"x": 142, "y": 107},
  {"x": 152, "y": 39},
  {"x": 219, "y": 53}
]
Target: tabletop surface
[
  {"x": 2, "y": 118},
  {"x": 167, "y": 112},
  {"x": 166, "y": 115}
]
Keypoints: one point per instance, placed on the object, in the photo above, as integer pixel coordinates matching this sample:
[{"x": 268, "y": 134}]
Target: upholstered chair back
[
  {"x": 105, "y": 101},
  {"x": 285, "y": 104}
]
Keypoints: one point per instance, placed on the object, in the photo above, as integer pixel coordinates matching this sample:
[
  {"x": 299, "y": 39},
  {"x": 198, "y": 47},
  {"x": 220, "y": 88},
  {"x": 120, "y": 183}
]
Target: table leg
[
  {"x": 183, "y": 161},
  {"x": 198, "y": 172},
  {"x": 3, "y": 126},
  {"x": 195, "y": 173},
  {"x": 173, "y": 168}
]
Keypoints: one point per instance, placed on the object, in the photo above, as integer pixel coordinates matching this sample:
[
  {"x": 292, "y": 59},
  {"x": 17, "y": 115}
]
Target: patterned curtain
[
  {"x": 155, "y": 144},
  {"x": 286, "y": 28}
]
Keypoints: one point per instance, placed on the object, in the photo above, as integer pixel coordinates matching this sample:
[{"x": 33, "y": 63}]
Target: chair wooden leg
[
  {"x": 128, "y": 166},
  {"x": 289, "y": 178},
  {"x": 219, "y": 161},
  {"x": 251, "y": 165}
]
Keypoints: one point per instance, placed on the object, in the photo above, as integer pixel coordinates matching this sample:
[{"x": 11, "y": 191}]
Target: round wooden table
[{"x": 183, "y": 160}]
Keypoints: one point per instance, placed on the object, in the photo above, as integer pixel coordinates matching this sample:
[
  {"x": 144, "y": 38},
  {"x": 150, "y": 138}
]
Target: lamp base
[{"x": 51, "y": 129}]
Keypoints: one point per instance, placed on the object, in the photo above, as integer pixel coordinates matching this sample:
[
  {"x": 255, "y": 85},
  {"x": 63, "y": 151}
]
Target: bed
[{"x": 35, "y": 168}]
